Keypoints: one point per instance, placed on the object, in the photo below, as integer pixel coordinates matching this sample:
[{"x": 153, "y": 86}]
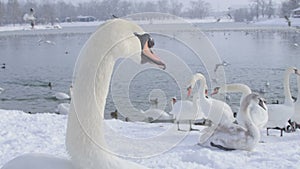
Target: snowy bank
[{"x": 45, "y": 133}]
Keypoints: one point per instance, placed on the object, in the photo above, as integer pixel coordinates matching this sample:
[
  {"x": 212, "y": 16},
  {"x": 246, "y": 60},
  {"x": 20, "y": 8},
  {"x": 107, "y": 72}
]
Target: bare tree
[
  {"x": 198, "y": 9},
  {"x": 47, "y": 13},
  {"x": 13, "y": 11},
  {"x": 270, "y": 10},
  {"x": 176, "y": 8},
  {"x": 288, "y": 6},
  {"x": 2, "y": 13}
]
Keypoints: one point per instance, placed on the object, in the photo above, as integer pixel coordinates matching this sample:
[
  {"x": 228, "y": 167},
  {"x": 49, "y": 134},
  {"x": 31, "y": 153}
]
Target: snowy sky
[{"x": 217, "y": 5}]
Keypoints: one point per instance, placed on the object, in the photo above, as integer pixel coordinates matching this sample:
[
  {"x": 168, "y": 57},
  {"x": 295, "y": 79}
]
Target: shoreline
[{"x": 87, "y": 28}]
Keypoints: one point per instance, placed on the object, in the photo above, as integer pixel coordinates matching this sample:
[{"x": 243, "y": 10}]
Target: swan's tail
[{"x": 207, "y": 133}]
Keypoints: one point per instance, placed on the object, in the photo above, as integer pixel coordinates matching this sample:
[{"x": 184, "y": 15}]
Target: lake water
[{"x": 35, "y": 58}]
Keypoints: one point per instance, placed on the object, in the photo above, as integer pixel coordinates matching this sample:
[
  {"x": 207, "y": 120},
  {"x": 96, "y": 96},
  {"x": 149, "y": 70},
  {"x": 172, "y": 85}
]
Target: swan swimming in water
[
  {"x": 214, "y": 110},
  {"x": 234, "y": 136},
  {"x": 61, "y": 96},
  {"x": 279, "y": 114},
  {"x": 258, "y": 115},
  {"x": 85, "y": 140}
]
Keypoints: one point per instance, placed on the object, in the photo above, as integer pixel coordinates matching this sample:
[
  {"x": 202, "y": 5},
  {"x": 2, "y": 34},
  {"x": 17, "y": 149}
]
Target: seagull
[
  {"x": 3, "y": 66},
  {"x": 224, "y": 63}
]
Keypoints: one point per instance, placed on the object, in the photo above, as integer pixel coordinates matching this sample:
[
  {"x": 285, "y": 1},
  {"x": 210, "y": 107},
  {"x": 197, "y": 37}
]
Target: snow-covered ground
[
  {"x": 45, "y": 133},
  {"x": 278, "y": 22}
]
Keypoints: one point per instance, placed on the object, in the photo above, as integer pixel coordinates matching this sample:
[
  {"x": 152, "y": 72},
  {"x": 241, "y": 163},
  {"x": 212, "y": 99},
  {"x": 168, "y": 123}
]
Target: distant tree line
[
  {"x": 12, "y": 11},
  {"x": 264, "y": 8}
]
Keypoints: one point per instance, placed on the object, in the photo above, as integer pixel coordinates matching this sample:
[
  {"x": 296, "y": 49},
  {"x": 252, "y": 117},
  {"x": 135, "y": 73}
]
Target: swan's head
[
  {"x": 293, "y": 70},
  {"x": 253, "y": 99},
  {"x": 173, "y": 100},
  {"x": 147, "y": 55}
]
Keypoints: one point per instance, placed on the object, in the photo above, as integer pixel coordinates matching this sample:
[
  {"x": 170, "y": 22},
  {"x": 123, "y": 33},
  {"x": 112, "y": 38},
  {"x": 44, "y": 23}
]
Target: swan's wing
[
  {"x": 259, "y": 116},
  {"x": 206, "y": 133}
]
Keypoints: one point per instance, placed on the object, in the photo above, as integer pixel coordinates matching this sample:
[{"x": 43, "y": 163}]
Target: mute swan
[
  {"x": 258, "y": 115},
  {"x": 296, "y": 116},
  {"x": 185, "y": 110},
  {"x": 85, "y": 135},
  {"x": 63, "y": 108},
  {"x": 214, "y": 110},
  {"x": 153, "y": 114},
  {"x": 1, "y": 90},
  {"x": 279, "y": 114},
  {"x": 61, "y": 96},
  {"x": 234, "y": 136}
]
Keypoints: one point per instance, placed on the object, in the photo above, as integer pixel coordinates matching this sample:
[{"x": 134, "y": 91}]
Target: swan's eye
[
  {"x": 150, "y": 42},
  {"x": 261, "y": 103}
]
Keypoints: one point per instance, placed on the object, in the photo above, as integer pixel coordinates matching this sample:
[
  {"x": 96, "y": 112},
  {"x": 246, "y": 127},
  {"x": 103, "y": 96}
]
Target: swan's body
[
  {"x": 296, "y": 115},
  {"x": 258, "y": 115},
  {"x": 214, "y": 110},
  {"x": 185, "y": 110},
  {"x": 85, "y": 140},
  {"x": 279, "y": 114},
  {"x": 153, "y": 114},
  {"x": 61, "y": 96},
  {"x": 63, "y": 108},
  {"x": 234, "y": 136}
]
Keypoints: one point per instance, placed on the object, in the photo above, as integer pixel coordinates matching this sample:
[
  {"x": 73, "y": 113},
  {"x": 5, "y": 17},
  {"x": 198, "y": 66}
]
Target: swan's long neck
[
  {"x": 298, "y": 86},
  {"x": 202, "y": 88},
  {"x": 85, "y": 136},
  {"x": 247, "y": 120},
  {"x": 245, "y": 90},
  {"x": 286, "y": 87}
]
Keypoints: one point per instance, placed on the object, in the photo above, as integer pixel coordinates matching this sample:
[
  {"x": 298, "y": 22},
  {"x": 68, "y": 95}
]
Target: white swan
[
  {"x": 279, "y": 114},
  {"x": 234, "y": 136},
  {"x": 214, "y": 110},
  {"x": 296, "y": 115},
  {"x": 153, "y": 114},
  {"x": 63, "y": 108},
  {"x": 185, "y": 110},
  {"x": 1, "y": 90},
  {"x": 61, "y": 96},
  {"x": 258, "y": 115},
  {"x": 85, "y": 140}
]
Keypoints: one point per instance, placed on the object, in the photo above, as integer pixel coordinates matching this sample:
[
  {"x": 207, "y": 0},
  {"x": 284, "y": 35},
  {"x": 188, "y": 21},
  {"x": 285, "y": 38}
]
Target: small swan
[
  {"x": 185, "y": 110},
  {"x": 214, "y": 110},
  {"x": 85, "y": 131},
  {"x": 61, "y": 96},
  {"x": 296, "y": 116},
  {"x": 279, "y": 114},
  {"x": 1, "y": 90},
  {"x": 258, "y": 115},
  {"x": 63, "y": 108},
  {"x": 154, "y": 114},
  {"x": 234, "y": 136}
]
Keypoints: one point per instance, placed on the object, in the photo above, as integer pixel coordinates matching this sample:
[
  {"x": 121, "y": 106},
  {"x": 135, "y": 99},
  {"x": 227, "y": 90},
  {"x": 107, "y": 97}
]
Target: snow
[
  {"x": 279, "y": 22},
  {"x": 45, "y": 133}
]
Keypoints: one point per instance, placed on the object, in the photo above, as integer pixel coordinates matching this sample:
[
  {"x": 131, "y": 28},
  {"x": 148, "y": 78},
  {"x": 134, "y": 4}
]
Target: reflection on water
[{"x": 256, "y": 58}]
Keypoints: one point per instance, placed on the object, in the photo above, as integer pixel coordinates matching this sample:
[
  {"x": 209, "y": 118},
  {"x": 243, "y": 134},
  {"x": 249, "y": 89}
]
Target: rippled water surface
[{"x": 33, "y": 60}]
